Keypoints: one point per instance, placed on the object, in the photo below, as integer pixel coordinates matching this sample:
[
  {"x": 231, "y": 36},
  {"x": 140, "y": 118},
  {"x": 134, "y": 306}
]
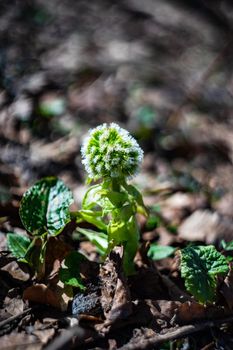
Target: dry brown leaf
[
  {"x": 190, "y": 311},
  {"x": 206, "y": 226},
  {"x": 165, "y": 237},
  {"x": 163, "y": 309},
  {"x": 121, "y": 305},
  {"x": 224, "y": 205},
  {"x": 44, "y": 335},
  {"x": 115, "y": 295},
  {"x": 200, "y": 225},
  {"x": 17, "y": 341},
  {"x": 3, "y": 243},
  {"x": 176, "y": 206},
  {"x": 14, "y": 306},
  {"x": 57, "y": 250},
  {"x": 61, "y": 150},
  {"x": 18, "y": 272},
  {"x": 57, "y": 295}
]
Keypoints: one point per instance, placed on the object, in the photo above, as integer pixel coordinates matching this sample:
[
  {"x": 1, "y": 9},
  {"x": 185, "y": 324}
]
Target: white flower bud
[{"x": 110, "y": 151}]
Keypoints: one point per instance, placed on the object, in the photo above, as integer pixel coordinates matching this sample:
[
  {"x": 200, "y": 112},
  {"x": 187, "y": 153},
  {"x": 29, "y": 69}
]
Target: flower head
[{"x": 110, "y": 151}]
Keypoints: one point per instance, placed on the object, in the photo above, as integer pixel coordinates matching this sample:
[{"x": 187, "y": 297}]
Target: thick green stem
[{"x": 116, "y": 185}]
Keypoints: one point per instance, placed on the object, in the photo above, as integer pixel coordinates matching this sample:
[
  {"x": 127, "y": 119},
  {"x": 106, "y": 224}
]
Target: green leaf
[
  {"x": 92, "y": 197},
  {"x": 52, "y": 107},
  {"x": 153, "y": 222},
  {"x": 70, "y": 273},
  {"x": 146, "y": 115},
  {"x": 126, "y": 213},
  {"x": 117, "y": 199},
  {"x": 92, "y": 217},
  {"x": 228, "y": 246},
  {"x": 35, "y": 251},
  {"x": 117, "y": 231},
  {"x": 200, "y": 267},
  {"x": 158, "y": 252},
  {"x": 99, "y": 239},
  {"x": 127, "y": 234},
  {"x": 18, "y": 245},
  {"x": 45, "y": 207},
  {"x": 133, "y": 191}
]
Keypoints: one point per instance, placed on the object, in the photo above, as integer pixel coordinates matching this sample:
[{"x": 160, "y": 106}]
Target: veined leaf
[
  {"x": 117, "y": 199},
  {"x": 18, "y": 245},
  {"x": 133, "y": 191},
  {"x": 92, "y": 197},
  {"x": 45, "y": 207},
  {"x": 70, "y": 273},
  {"x": 99, "y": 239},
  {"x": 117, "y": 232},
  {"x": 158, "y": 252},
  {"x": 92, "y": 217},
  {"x": 200, "y": 267}
]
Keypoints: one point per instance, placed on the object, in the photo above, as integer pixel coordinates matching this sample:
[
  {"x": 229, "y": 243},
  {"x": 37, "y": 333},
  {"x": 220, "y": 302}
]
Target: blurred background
[{"x": 160, "y": 68}]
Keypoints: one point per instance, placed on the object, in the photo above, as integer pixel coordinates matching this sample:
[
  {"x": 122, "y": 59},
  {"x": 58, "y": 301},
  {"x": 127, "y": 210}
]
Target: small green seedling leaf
[
  {"x": 133, "y": 191},
  {"x": 92, "y": 197},
  {"x": 45, "y": 207},
  {"x": 70, "y": 273},
  {"x": 146, "y": 115},
  {"x": 18, "y": 245},
  {"x": 116, "y": 199},
  {"x": 99, "y": 239},
  {"x": 200, "y": 267},
  {"x": 152, "y": 222},
  {"x": 158, "y": 252},
  {"x": 117, "y": 232},
  {"x": 92, "y": 217},
  {"x": 53, "y": 107},
  {"x": 227, "y": 246}
]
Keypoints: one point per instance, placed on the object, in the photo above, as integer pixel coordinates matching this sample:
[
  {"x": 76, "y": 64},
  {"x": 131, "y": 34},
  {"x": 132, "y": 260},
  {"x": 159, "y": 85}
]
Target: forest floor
[{"x": 162, "y": 70}]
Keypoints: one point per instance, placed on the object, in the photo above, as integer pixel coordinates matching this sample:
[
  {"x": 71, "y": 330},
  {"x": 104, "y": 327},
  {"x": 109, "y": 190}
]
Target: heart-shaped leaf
[
  {"x": 200, "y": 267},
  {"x": 45, "y": 207},
  {"x": 18, "y": 245}
]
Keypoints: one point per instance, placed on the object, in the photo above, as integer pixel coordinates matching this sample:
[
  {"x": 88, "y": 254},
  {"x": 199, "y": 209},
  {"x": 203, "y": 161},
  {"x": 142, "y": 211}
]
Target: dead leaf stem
[{"x": 147, "y": 343}]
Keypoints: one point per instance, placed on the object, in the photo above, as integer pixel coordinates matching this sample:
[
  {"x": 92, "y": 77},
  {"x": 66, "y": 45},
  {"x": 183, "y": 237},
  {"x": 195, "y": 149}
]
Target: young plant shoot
[{"x": 112, "y": 156}]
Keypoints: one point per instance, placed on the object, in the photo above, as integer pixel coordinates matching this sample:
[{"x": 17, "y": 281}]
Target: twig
[
  {"x": 65, "y": 338},
  {"x": 13, "y": 318},
  {"x": 151, "y": 342},
  {"x": 174, "y": 290}
]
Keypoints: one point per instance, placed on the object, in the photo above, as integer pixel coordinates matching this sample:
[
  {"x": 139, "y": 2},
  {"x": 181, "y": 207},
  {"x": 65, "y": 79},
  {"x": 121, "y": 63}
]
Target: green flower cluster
[{"x": 110, "y": 151}]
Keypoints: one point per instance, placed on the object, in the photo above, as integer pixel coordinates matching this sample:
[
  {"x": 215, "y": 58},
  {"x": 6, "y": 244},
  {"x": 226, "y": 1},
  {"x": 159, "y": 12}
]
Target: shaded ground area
[{"x": 161, "y": 69}]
